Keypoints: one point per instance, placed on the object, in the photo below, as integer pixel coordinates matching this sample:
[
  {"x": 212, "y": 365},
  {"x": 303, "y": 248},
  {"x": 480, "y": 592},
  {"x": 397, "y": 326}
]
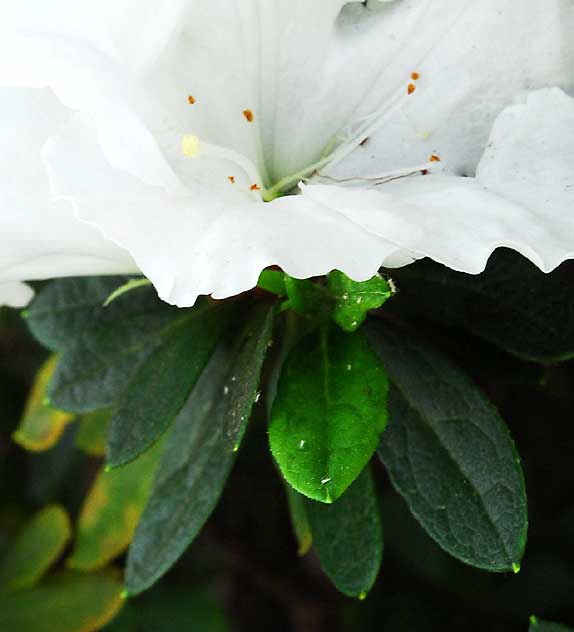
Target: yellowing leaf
[
  {"x": 41, "y": 426},
  {"x": 92, "y": 432},
  {"x": 39, "y": 544},
  {"x": 112, "y": 510},
  {"x": 69, "y": 602}
]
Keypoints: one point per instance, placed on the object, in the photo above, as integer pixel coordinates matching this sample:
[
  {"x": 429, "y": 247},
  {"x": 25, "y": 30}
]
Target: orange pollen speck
[
  {"x": 191, "y": 100},
  {"x": 415, "y": 76},
  {"x": 248, "y": 114},
  {"x": 434, "y": 158},
  {"x": 411, "y": 88},
  {"x": 255, "y": 187},
  {"x": 231, "y": 179}
]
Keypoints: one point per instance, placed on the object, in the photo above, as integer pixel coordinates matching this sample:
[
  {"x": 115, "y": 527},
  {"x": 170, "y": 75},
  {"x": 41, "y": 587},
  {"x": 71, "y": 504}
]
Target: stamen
[{"x": 192, "y": 147}]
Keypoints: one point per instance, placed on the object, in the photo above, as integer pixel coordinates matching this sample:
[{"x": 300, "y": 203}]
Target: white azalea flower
[{"x": 169, "y": 137}]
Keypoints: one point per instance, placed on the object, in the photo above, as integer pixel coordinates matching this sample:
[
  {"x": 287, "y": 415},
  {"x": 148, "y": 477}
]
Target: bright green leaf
[
  {"x": 92, "y": 432},
  {"x": 36, "y": 548},
  {"x": 69, "y": 602},
  {"x": 272, "y": 281},
  {"x": 199, "y": 453},
  {"x": 159, "y": 388},
  {"x": 41, "y": 426},
  {"x": 112, "y": 510},
  {"x": 330, "y": 409},
  {"x": 348, "y": 536},
  {"x": 354, "y": 299},
  {"x": 450, "y": 455}
]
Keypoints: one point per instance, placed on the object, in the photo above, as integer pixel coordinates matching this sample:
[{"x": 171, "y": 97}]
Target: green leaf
[
  {"x": 348, "y": 537},
  {"x": 537, "y": 625},
  {"x": 158, "y": 389},
  {"x": 272, "y": 281},
  {"x": 512, "y": 304},
  {"x": 354, "y": 299},
  {"x": 329, "y": 412},
  {"x": 199, "y": 453},
  {"x": 117, "y": 498},
  {"x": 65, "y": 308},
  {"x": 304, "y": 295},
  {"x": 299, "y": 520},
  {"x": 450, "y": 455},
  {"x": 172, "y": 608},
  {"x": 36, "y": 548},
  {"x": 92, "y": 432},
  {"x": 41, "y": 426},
  {"x": 97, "y": 365},
  {"x": 69, "y": 602}
]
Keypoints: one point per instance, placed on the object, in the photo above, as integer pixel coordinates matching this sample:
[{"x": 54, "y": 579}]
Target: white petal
[
  {"x": 131, "y": 31},
  {"x": 206, "y": 242},
  {"x": 15, "y": 294},
  {"x": 523, "y": 197},
  {"x": 83, "y": 78},
  {"x": 473, "y": 59},
  {"x": 39, "y": 238}
]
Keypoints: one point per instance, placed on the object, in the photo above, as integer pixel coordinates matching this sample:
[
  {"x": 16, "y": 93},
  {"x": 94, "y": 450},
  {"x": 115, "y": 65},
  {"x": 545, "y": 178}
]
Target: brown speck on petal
[
  {"x": 231, "y": 179},
  {"x": 191, "y": 100},
  {"x": 255, "y": 187},
  {"x": 434, "y": 158},
  {"x": 415, "y": 76},
  {"x": 248, "y": 114},
  {"x": 411, "y": 88}
]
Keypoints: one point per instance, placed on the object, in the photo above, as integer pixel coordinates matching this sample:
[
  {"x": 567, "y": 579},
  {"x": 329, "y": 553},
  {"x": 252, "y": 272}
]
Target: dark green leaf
[
  {"x": 199, "y": 453},
  {"x": 299, "y": 520},
  {"x": 70, "y": 602},
  {"x": 537, "y": 625},
  {"x": 172, "y": 608},
  {"x": 513, "y": 304},
  {"x": 348, "y": 537},
  {"x": 329, "y": 412},
  {"x": 65, "y": 308},
  {"x": 450, "y": 455},
  {"x": 96, "y": 367},
  {"x": 354, "y": 299},
  {"x": 159, "y": 388}
]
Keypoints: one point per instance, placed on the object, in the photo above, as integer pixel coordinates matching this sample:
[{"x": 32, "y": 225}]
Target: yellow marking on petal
[{"x": 190, "y": 146}]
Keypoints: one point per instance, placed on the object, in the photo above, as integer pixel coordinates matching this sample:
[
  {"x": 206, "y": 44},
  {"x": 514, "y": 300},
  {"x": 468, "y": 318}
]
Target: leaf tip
[
  {"x": 533, "y": 619},
  {"x": 516, "y": 568},
  {"x": 125, "y": 594},
  {"x": 362, "y": 596}
]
